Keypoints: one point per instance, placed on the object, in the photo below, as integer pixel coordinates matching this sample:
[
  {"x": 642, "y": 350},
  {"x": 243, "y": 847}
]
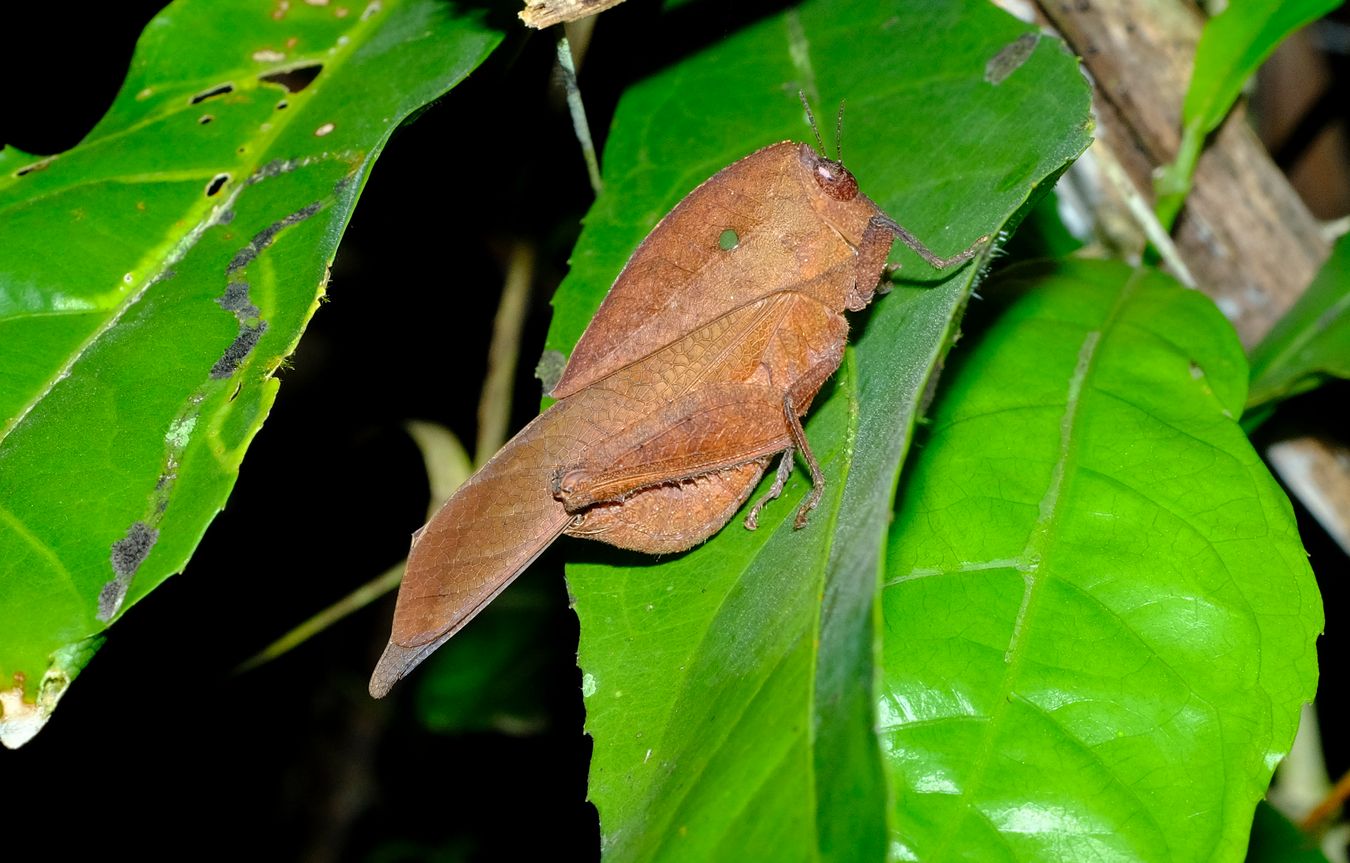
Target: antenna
[
  {"x": 812, "y": 119},
  {"x": 839, "y": 134}
]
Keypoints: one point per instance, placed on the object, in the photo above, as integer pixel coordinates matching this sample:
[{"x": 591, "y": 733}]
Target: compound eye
[{"x": 835, "y": 180}]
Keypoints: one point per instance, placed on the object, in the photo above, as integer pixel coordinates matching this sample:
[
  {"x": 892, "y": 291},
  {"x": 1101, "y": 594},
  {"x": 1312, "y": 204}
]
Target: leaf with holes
[
  {"x": 1100, "y": 623},
  {"x": 153, "y": 278},
  {"x": 731, "y": 712}
]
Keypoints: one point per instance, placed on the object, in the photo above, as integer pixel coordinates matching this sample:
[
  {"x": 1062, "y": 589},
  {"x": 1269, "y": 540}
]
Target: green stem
[{"x": 583, "y": 129}]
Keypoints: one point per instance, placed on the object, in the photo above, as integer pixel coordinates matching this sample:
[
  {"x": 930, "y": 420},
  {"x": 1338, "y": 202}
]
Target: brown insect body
[
  {"x": 694, "y": 372},
  {"x": 679, "y": 278}
]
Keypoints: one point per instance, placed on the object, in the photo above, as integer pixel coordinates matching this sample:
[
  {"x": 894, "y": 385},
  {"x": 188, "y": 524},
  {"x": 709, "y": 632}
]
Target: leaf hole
[
  {"x": 283, "y": 105},
  {"x": 217, "y": 182},
  {"x": 728, "y": 240},
  {"x": 204, "y": 119},
  {"x": 294, "y": 80},
  {"x": 36, "y": 166},
  {"x": 212, "y": 93}
]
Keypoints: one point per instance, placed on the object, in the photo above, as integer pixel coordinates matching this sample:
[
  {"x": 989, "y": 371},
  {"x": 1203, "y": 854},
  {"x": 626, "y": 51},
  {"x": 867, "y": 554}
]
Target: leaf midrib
[{"x": 1031, "y": 558}]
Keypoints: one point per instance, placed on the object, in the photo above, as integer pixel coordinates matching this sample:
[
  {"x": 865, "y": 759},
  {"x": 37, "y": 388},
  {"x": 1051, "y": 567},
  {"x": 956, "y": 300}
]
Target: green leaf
[
  {"x": 1099, "y": 620},
  {"x": 1042, "y": 234},
  {"x": 154, "y": 278},
  {"x": 1275, "y": 839},
  {"x": 727, "y": 688},
  {"x": 1312, "y": 341},
  {"x": 492, "y": 676},
  {"x": 1232, "y": 46}
]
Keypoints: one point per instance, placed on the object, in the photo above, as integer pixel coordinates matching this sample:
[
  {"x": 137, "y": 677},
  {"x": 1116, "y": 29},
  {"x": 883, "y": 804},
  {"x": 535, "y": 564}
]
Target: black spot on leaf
[
  {"x": 235, "y": 300},
  {"x": 127, "y": 555},
  {"x": 239, "y": 349},
  {"x": 131, "y": 551},
  {"x": 264, "y": 238}
]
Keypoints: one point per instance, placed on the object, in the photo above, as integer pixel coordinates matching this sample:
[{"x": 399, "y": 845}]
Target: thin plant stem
[
  {"x": 579, "y": 123},
  {"x": 494, "y": 406},
  {"x": 446, "y": 462}
]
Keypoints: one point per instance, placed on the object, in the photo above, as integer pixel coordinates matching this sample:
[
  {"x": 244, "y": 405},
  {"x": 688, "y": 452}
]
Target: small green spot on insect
[{"x": 728, "y": 240}]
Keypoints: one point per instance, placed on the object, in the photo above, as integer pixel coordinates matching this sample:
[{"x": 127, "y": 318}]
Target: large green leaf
[
  {"x": 1099, "y": 619},
  {"x": 1312, "y": 340},
  {"x": 728, "y": 688},
  {"x": 152, "y": 280}
]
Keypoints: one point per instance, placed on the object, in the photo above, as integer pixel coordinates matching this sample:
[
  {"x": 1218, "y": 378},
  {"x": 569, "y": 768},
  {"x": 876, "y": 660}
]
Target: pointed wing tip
[{"x": 394, "y": 665}]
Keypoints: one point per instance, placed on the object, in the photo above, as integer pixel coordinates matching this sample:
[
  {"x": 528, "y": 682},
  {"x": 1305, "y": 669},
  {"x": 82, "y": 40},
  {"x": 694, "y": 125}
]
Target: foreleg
[{"x": 875, "y": 248}]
